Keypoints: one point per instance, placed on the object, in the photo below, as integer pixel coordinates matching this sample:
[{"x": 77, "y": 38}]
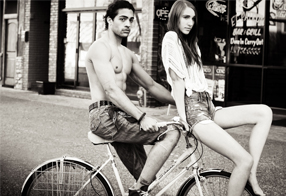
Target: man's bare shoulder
[
  {"x": 126, "y": 49},
  {"x": 129, "y": 52},
  {"x": 98, "y": 48}
]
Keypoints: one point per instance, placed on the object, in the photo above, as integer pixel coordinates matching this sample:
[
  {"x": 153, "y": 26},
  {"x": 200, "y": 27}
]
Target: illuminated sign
[
  {"x": 161, "y": 13},
  {"x": 216, "y": 6}
]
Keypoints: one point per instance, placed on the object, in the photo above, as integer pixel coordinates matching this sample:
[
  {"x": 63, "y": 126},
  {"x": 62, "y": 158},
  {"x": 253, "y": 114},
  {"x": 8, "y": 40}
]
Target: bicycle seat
[{"x": 96, "y": 139}]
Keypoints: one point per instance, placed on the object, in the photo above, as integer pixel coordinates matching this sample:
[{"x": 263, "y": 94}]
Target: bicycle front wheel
[
  {"x": 212, "y": 182},
  {"x": 66, "y": 177}
]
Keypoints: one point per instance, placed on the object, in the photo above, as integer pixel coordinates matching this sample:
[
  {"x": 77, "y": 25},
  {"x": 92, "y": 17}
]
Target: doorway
[{"x": 10, "y": 51}]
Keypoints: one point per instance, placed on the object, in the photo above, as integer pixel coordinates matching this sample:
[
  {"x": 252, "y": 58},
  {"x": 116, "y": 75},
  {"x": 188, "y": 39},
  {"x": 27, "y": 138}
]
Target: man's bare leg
[{"x": 157, "y": 157}]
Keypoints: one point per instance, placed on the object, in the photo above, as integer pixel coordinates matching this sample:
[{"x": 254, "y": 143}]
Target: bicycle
[{"x": 73, "y": 176}]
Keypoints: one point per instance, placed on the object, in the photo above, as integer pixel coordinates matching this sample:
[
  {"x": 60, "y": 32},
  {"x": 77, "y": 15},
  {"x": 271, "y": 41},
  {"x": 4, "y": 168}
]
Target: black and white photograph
[{"x": 143, "y": 97}]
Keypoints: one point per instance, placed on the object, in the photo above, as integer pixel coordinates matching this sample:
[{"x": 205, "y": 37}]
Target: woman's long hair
[{"x": 189, "y": 41}]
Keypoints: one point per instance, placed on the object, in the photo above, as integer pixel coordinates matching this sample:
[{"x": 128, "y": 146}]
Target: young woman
[{"x": 182, "y": 61}]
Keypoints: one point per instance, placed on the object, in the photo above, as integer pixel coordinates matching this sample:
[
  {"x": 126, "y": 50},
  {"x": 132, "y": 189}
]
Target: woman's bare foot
[{"x": 255, "y": 186}]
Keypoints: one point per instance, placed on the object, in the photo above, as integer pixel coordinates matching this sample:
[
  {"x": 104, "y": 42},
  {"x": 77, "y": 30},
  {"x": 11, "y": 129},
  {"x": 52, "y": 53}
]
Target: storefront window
[
  {"x": 246, "y": 31},
  {"x": 244, "y": 85},
  {"x": 277, "y": 33},
  {"x": 79, "y": 37},
  {"x": 100, "y": 24},
  {"x": 81, "y": 3},
  {"x": 85, "y": 40},
  {"x": 212, "y": 20},
  {"x": 274, "y": 86},
  {"x": 70, "y": 45},
  {"x": 136, "y": 3}
]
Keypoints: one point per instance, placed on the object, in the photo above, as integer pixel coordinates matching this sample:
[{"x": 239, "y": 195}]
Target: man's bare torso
[{"x": 121, "y": 61}]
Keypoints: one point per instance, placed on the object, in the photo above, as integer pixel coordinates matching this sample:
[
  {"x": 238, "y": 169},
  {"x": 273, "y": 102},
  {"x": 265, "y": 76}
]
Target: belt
[{"x": 99, "y": 103}]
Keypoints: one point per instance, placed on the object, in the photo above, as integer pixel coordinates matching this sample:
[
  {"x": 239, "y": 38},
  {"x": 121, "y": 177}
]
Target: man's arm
[
  {"x": 100, "y": 56},
  {"x": 139, "y": 75}
]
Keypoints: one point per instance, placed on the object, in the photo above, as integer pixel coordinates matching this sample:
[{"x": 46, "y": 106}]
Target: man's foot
[{"x": 139, "y": 192}]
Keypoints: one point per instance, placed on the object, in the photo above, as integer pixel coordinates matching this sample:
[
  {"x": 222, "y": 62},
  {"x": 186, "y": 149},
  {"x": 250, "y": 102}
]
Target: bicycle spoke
[
  {"x": 65, "y": 180},
  {"x": 212, "y": 184}
]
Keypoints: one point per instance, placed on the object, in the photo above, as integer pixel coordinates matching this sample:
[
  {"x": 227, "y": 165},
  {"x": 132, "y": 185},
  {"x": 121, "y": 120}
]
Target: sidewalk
[{"x": 160, "y": 112}]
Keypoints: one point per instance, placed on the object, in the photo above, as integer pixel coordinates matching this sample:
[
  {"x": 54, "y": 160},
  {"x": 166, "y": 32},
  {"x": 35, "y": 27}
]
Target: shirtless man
[{"x": 112, "y": 115}]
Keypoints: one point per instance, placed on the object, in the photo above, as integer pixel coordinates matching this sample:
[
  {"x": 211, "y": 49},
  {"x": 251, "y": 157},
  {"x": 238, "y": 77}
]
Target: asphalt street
[{"x": 36, "y": 128}]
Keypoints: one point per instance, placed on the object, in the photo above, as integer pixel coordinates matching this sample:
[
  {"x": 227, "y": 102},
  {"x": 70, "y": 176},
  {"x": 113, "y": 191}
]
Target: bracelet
[{"x": 141, "y": 117}]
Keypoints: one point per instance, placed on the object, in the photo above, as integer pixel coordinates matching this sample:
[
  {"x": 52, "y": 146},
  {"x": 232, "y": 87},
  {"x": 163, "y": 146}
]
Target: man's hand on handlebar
[
  {"x": 184, "y": 123},
  {"x": 152, "y": 125},
  {"x": 149, "y": 124}
]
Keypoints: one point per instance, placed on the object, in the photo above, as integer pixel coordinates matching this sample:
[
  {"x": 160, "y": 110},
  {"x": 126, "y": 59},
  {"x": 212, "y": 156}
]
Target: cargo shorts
[{"x": 111, "y": 123}]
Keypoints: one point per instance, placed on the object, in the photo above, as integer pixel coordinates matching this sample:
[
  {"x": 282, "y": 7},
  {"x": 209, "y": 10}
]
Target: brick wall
[
  {"x": 53, "y": 40},
  {"x": 149, "y": 42},
  {"x": 147, "y": 34},
  {"x": 26, "y": 27},
  {"x": 19, "y": 73}
]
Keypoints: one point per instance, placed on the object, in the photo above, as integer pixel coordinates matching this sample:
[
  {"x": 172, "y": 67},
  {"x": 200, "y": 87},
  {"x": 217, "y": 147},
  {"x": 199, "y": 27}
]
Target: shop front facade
[
  {"x": 242, "y": 45},
  {"x": 243, "y": 49}
]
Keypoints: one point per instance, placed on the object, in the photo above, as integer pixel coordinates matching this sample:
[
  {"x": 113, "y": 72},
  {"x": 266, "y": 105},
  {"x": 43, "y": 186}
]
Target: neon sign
[{"x": 214, "y": 7}]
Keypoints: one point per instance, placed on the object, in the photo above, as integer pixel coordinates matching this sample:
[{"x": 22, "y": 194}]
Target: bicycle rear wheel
[
  {"x": 65, "y": 177},
  {"x": 213, "y": 182}
]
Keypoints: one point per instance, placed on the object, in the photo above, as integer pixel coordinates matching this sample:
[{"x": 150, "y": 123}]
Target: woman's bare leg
[
  {"x": 258, "y": 115},
  {"x": 220, "y": 141}
]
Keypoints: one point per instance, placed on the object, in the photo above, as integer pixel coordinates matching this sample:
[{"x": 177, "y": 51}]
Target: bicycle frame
[
  {"x": 192, "y": 164},
  {"x": 197, "y": 179}
]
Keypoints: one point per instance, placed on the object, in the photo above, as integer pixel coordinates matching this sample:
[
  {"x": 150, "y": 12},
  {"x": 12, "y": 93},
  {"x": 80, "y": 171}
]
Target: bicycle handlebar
[{"x": 166, "y": 123}]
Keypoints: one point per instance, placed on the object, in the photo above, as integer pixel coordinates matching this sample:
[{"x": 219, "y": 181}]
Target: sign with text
[
  {"x": 246, "y": 45},
  {"x": 161, "y": 13},
  {"x": 208, "y": 70},
  {"x": 246, "y": 28},
  {"x": 219, "y": 86}
]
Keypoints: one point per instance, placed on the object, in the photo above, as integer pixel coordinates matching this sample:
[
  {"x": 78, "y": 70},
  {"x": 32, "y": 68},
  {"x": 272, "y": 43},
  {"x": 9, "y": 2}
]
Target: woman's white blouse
[{"x": 173, "y": 58}]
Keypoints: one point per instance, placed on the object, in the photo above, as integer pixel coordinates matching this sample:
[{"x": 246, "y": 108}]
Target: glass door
[
  {"x": 86, "y": 37},
  {"x": 71, "y": 42},
  {"x": 79, "y": 37}
]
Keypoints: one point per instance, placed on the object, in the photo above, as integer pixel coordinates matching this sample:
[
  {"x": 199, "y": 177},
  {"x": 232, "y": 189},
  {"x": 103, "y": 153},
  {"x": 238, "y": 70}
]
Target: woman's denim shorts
[{"x": 199, "y": 108}]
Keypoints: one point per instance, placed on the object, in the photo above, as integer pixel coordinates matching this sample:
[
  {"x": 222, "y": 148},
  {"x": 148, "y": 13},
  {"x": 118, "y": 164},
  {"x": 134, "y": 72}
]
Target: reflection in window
[
  {"x": 85, "y": 35},
  {"x": 134, "y": 38},
  {"x": 277, "y": 33},
  {"x": 212, "y": 30},
  {"x": 80, "y": 3},
  {"x": 135, "y": 3},
  {"x": 249, "y": 13},
  {"x": 134, "y": 43},
  {"x": 277, "y": 40},
  {"x": 70, "y": 46},
  {"x": 85, "y": 41},
  {"x": 278, "y": 9},
  {"x": 100, "y": 24}
]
